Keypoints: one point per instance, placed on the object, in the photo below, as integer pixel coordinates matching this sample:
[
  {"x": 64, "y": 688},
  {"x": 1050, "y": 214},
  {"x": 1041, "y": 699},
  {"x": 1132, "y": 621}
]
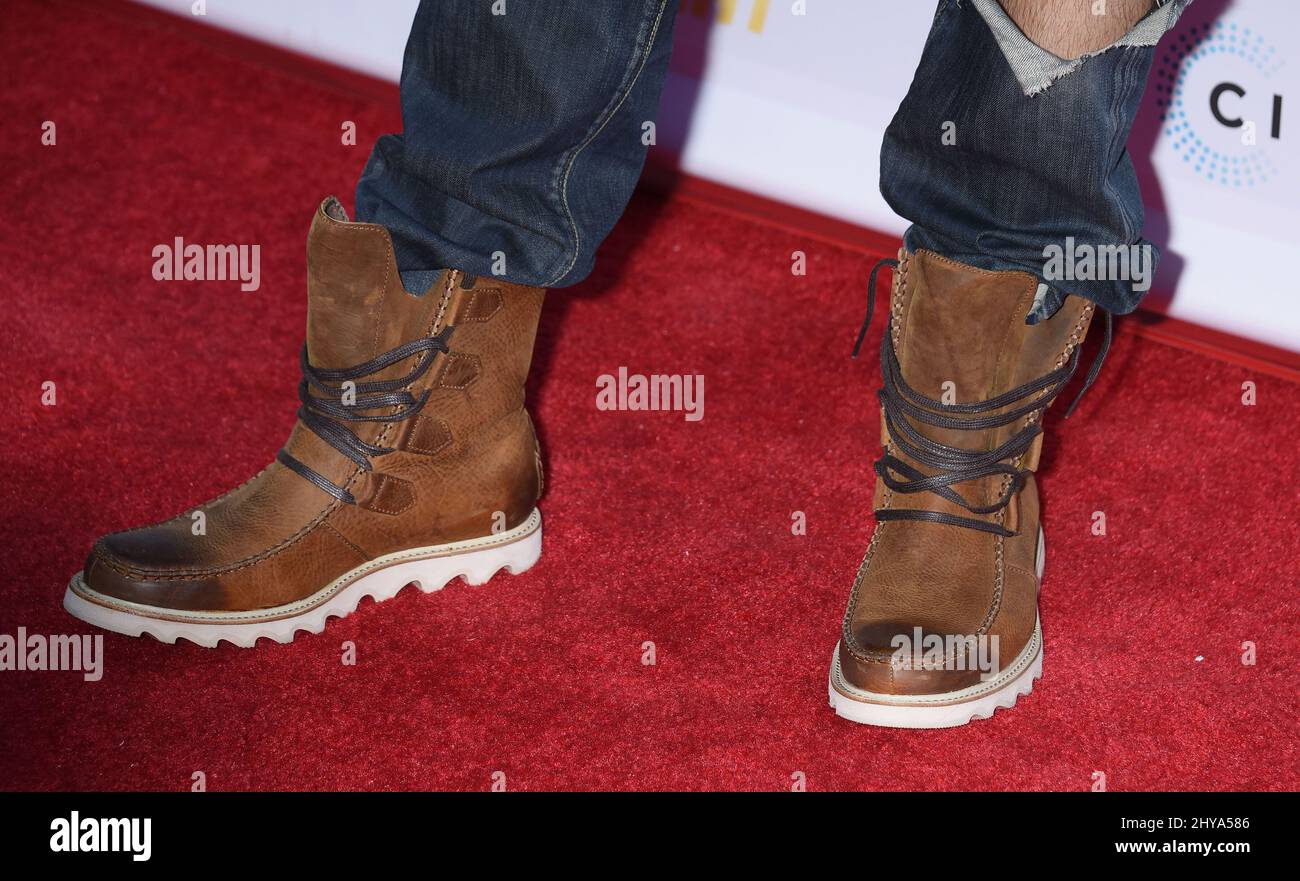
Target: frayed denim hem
[{"x": 1036, "y": 68}]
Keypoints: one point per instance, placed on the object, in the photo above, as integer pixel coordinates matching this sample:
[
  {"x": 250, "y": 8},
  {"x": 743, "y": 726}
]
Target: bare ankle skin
[{"x": 1070, "y": 28}]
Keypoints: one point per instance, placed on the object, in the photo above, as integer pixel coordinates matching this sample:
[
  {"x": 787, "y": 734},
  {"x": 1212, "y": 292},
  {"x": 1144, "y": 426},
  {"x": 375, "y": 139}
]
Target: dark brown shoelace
[
  {"x": 949, "y": 465},
  {"x": 324, "y": 414}
]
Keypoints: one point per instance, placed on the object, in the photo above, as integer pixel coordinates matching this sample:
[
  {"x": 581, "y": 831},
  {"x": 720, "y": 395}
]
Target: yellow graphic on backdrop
[{"x": 727, "y": 11}]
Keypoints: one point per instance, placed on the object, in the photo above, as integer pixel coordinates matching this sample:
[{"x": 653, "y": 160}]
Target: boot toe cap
[
  {"x": 143, "y": 567},
  {"x": 879, "y": 659}
]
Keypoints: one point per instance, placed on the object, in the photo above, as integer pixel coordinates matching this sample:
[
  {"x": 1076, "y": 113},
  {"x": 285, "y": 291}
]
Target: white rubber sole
[
  {"x": 948, "y": 709},
  {"x": 429, "y": 568}
]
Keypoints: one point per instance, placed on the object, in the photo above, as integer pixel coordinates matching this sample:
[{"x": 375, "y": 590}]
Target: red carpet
[{"x": 658, "y": 529}]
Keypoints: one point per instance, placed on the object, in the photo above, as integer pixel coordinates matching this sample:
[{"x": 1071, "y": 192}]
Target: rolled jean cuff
[
  {"x": 1036, "y": 68},
  {"x": 1000, "y": 180}
]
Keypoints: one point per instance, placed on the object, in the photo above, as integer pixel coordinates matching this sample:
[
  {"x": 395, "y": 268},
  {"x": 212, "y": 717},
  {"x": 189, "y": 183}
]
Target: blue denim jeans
[
  {"x": 522, "y": 135},
  {"x": 1001, "y": 150},
  {"x": 523, "y": 140}
]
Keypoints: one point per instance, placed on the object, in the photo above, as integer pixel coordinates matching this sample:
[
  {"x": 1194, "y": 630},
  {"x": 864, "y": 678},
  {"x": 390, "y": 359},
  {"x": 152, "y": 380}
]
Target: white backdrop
[{"x": 793, "y": 106}]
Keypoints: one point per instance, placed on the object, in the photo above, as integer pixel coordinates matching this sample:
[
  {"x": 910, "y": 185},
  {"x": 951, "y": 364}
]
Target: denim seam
[
  {"x": 939, "y": 14},
  {"x": 638, "y": 62},
  {"x": 1119, "y": 137}
]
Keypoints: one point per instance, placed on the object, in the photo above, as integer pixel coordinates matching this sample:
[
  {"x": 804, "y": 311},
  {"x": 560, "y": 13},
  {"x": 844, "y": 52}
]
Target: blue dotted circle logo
[{"x": 1212, "y": 82}]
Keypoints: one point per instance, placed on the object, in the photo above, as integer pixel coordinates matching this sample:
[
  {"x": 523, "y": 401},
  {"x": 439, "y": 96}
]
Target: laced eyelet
[
  {"x": 324, "y": 413},
  {"x": 901, "y": 406}
]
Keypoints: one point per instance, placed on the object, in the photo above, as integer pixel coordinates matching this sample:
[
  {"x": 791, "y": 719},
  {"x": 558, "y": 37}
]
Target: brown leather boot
[
  {"x": 942, "y": 625},
  {"x": 413, "y": 460}
]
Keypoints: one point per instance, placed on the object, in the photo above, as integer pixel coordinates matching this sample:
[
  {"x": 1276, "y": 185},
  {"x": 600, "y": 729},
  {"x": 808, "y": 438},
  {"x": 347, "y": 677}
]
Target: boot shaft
[
  {"x": 358, "y": 311},
  {"x": 959, "y": 339}
]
